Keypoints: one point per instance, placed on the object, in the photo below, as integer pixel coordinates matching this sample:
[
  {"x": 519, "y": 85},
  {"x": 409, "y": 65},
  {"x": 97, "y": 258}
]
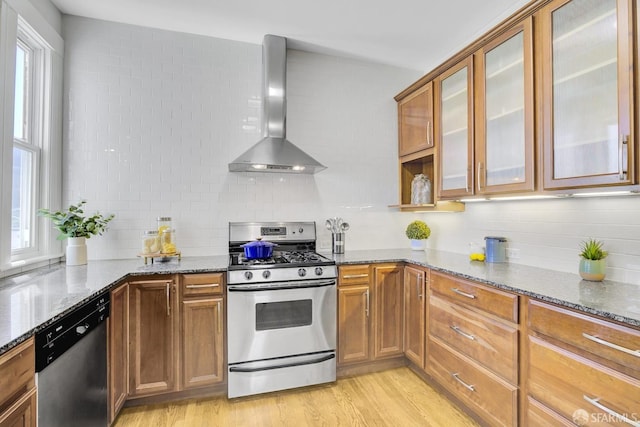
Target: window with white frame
[
  {"x": 30, "y": 154},
  {"x": 26, "y": 145}
]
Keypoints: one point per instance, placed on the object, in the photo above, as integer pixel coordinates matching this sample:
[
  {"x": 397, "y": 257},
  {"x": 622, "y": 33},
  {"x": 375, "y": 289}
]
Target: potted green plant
[
  {"x": 592, "y": 260},
  {"x": 418, "y": 231},
  {"x": 75, "y": 226}
]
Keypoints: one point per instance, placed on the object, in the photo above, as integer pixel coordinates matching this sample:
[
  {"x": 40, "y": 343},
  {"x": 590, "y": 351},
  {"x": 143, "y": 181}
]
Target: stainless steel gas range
[{"x": 281, "y": 311}]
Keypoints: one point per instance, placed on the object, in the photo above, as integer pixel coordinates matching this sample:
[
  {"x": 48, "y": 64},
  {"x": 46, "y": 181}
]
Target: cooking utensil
[
  {"x": 344, "y": 226},
  {"x": 258, "y": 249}
]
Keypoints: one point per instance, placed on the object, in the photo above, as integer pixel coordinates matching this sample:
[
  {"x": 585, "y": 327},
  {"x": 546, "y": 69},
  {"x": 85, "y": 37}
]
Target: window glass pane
[
  {"x": 21, "y": 195},
  {"x": 19, "y": 118}
]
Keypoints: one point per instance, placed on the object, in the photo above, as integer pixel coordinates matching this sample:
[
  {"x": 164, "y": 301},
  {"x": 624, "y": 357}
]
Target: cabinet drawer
[
  {"x": 539, "y": 415},
  {"x": 490, "y": 342},
  {"x": 202, "y": 284},
  {"x": 492, "y": 398},
  {"x": 616, "y": 343},
  {"x": 354, "y": 275},
  {"x": 501, "y": 304},
  {"x": 17, "y": 373},
  {"x": 566, "y": 382}
]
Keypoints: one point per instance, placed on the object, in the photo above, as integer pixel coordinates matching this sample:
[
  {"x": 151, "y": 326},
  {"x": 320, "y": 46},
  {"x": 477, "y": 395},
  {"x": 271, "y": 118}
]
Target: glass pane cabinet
[
  {"x": 455, "y": 108},
  {"x": 504, "y": 116},
  {"x": 586, "y": 93}
]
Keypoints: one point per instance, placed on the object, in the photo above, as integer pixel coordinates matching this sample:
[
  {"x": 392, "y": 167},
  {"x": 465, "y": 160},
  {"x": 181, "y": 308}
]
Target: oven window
[{"x": 283, "y": 314}]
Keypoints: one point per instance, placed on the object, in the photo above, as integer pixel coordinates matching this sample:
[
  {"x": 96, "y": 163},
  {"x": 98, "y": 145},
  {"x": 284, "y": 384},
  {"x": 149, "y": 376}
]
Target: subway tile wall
[{"x": 153, "y": 117}]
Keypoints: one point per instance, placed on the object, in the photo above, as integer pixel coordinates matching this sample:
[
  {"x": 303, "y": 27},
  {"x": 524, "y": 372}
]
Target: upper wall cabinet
[
  {"x": 415, "y": 118},
  {"x": 454, "y": 129},
  {"x": 504, "y": 145},
  {"x": 586, "y": 95}
]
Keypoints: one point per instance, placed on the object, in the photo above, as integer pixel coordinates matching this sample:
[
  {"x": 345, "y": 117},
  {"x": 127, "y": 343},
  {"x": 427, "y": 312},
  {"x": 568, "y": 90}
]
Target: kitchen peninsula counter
[{"x": 31, "y": 301}]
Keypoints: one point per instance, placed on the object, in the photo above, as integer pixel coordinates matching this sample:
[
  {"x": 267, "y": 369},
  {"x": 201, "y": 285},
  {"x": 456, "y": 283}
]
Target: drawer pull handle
[
  {"x": 464, "y": 294},
  {"x": 465, "y": 385},
  {"x": 617, "y": 417},
  {"x": 611, "y": 345},
  {"x": 461, "y": 332},
  {"x": 355, "y": 276},
  {"x": 210, "y": 285}
]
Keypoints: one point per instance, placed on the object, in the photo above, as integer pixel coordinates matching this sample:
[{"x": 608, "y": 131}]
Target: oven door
[{"x": 275, "y": 320}]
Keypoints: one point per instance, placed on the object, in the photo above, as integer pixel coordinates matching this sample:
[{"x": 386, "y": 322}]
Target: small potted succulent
[
  {"x": 592, "y": 260},
  {"x": 418, "y": 232},
  {"x": 75, "y": 226}
]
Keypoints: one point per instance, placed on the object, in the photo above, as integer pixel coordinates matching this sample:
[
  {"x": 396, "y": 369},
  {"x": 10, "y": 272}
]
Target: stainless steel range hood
[{"x": 274, "y": 153}]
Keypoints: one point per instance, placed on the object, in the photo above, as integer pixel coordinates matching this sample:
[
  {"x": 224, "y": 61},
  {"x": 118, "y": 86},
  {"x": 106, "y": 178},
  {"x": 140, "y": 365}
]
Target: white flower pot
[
  {"x": 76, "y": 251},
  {"x": 418, "y": 245}
]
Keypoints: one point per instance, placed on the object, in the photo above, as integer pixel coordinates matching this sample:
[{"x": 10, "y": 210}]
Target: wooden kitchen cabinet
[
  {"x": 202, "y": 330},
  {"x": 388, "y": 313},
  {"x": 579, "y": 362},
  {"x": 153, "y": 321},
  {"x": 504, "y": 120},
  {"x": 354, "y": 300},
  {"x": 415, "y": 308},
  {"x": 18, "y": 395},
  {"x": 415, "y": 121},
  {"x": 586, "y": 57},
  {"x": 370, "y": 313},
  {"x": 454, "y": 129},
  {"x": 118, "y": 347},
  {"x": 473, "y": 346}
]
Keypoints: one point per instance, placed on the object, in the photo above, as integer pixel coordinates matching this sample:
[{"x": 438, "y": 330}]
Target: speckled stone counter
[
  {"x": 614, "y": 300},
  {"x": 29, "y": 302}
]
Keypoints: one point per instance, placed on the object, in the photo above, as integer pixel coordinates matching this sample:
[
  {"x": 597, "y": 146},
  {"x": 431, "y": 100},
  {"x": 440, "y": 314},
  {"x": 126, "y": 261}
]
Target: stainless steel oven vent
[{"x": 274, "y": 153}]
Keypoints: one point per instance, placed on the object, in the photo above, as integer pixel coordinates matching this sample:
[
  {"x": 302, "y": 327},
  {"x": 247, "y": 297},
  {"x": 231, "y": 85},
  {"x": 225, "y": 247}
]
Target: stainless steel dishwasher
[{"x": 71, "y": 366}]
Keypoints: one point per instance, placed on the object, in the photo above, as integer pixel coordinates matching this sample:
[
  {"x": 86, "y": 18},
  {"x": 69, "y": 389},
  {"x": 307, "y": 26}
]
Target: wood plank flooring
[{"x": 396, "y": 397}]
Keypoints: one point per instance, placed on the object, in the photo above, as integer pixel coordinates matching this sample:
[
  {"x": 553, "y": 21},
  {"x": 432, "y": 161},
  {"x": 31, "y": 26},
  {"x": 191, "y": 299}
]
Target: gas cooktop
[{"x": 279, "y": 260}]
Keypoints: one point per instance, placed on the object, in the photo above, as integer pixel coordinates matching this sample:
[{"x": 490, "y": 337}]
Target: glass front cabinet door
[
  {"x": 504, "y": 146},
  {"x": 586, "y": 82},
  {"x": 455, "y": 129}
]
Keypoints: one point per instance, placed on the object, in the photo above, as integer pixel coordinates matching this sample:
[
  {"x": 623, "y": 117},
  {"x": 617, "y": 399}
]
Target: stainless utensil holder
[{"x": 337, "y": 243}]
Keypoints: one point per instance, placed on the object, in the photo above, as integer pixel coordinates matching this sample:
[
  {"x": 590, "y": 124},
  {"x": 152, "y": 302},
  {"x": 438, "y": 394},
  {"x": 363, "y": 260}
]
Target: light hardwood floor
[{"x": 395, "y": 397}]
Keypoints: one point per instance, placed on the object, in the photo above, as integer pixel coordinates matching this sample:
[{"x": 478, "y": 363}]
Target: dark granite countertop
[
  {"x": 31, "y": 301},
  {"x": 613, "y": 300}
]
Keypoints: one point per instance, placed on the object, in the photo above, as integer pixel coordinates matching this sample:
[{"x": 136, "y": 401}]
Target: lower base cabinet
[
  {"x": 166, "y": 335},
  {"x": 18, "y": 395}
]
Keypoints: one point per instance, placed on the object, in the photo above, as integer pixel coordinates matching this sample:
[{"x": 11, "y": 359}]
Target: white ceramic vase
[
  {"x": 76, "y": 251},
  {"x": 418, "y": 245}
]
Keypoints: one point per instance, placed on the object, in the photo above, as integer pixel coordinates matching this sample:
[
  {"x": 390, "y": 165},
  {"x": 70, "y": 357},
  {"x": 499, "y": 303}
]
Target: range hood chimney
[{"x": 274, "y": 153}]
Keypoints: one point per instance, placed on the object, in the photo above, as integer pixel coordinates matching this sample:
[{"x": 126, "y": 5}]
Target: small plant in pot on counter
[
  {"x": 74, "y": 225},
  {"x": 592, "y": 260},
  {"x": 418, "y": 232}
]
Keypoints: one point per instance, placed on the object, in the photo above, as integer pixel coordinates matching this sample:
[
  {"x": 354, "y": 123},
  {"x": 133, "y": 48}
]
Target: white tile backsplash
[{"x": 153, "y": 117}]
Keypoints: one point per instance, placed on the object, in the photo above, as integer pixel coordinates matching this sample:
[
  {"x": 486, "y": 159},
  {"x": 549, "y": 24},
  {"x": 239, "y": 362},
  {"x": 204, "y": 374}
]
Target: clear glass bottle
[
  {"x": 168, "y": 241},
  {"x": 164, "y": 223},
  {"x": 150, "y": 242}
]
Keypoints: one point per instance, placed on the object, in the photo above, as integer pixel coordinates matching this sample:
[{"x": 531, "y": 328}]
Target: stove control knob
[
  {"x": 248, "y": 275},
  {"x": 318, "y": 271},
  {"x": 266, "y": 274},
  {"x": 302, "y": 272},
  {"x": 300, "y": 230}
]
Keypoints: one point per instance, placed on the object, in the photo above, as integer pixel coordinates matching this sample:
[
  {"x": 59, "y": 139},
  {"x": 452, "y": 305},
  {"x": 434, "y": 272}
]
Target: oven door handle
[
  {"x": 283, "y": 365},
  {"x": 278, "y": 287}
]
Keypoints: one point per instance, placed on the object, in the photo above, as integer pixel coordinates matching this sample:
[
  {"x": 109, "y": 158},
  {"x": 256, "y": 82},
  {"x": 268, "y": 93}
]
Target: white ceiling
[{"x": 415, "y": 34}]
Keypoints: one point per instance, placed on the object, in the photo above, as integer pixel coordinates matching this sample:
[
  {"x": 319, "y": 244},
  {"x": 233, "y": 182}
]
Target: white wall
[{"x": 153, "y": 118}]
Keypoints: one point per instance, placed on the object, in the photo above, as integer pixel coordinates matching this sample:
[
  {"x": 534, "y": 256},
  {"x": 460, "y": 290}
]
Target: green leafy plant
[
  {"x": 73, "y": 222},
  {"x": 418, "y": 230},
  {"x": 592, "y": 249}
]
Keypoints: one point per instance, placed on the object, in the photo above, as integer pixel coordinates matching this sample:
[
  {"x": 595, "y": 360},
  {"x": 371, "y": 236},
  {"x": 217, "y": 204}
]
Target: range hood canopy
[{"x": 274, "y": 153}]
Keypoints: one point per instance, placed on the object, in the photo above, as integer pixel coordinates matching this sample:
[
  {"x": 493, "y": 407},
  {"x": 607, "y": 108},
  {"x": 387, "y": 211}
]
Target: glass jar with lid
[{"x": 150, "y": 242}]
